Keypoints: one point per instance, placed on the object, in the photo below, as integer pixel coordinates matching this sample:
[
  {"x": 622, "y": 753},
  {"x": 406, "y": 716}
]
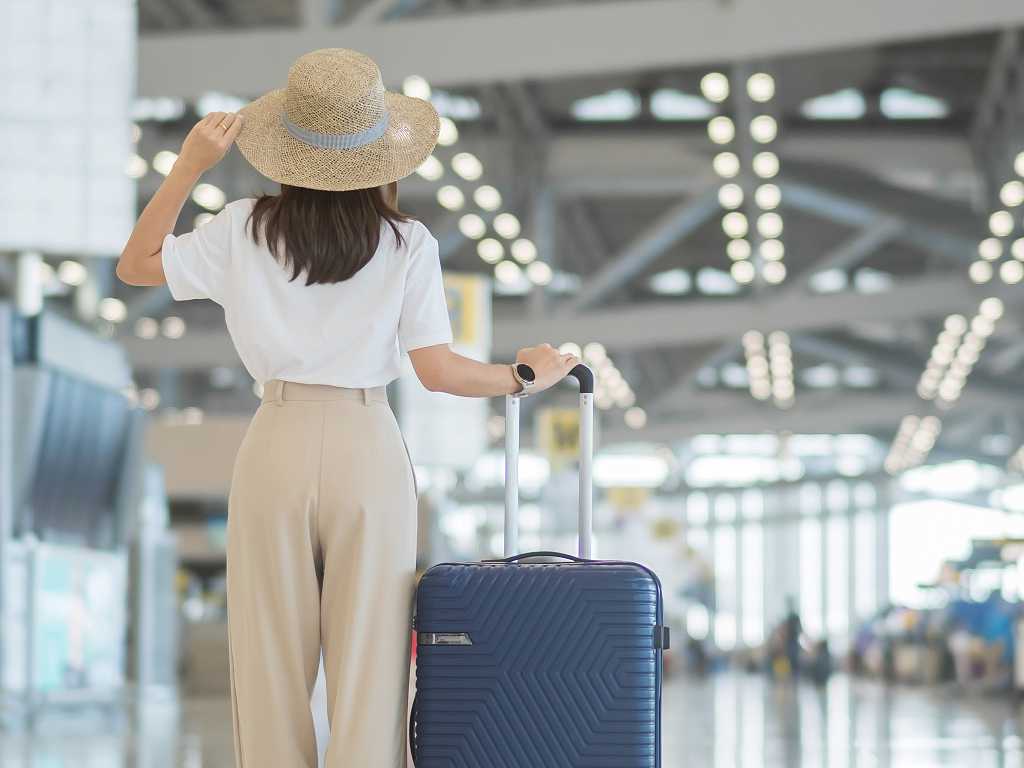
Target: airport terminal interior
[{"x": 787, "y": 237}]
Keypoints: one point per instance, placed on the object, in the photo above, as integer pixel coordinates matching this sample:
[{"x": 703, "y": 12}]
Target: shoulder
[
  {"x": 241, "y": 208},
  {"x": 415, "y": 236}
]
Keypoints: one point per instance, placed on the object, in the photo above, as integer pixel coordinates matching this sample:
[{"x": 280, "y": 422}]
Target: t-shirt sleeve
[
  {"x": 195, "y": 263},
  {"x": 424, "y": 320}
]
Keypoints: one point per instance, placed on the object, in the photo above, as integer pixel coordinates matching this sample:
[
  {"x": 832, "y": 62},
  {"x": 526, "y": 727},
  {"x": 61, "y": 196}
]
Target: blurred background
[{"x": 788, "y": 236}]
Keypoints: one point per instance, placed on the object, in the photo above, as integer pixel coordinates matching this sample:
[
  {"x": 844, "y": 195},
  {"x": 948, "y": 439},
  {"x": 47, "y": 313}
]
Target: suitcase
[{"x": 539, "y": 660}]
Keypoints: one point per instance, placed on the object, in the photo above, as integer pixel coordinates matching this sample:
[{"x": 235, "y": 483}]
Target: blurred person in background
[{"x": 323, "y": 287}]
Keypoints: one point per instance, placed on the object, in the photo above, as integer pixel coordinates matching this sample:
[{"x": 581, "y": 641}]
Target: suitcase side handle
[{"x": 585, "y": 376}]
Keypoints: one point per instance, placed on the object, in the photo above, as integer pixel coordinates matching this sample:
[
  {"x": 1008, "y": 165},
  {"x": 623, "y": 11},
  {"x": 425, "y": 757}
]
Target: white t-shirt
[{"x": 347, "y": 334}]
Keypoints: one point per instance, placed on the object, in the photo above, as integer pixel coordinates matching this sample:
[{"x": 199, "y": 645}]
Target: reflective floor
[{"x": 723, "y": 722}]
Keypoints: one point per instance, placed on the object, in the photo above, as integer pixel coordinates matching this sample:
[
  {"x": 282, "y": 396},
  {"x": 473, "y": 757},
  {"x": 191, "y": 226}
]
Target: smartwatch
[{"x": 525, "y": 376}]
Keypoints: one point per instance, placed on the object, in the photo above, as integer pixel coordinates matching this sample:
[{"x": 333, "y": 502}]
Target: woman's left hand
[{"x": 209, "y": 140}]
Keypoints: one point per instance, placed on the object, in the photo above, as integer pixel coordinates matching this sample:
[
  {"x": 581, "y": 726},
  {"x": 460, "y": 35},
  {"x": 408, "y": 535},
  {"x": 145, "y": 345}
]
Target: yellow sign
[
  {"x": 558, "y": 435},
  {"x": 464, "y": 295},
  {"x": 628, "y": 498}
]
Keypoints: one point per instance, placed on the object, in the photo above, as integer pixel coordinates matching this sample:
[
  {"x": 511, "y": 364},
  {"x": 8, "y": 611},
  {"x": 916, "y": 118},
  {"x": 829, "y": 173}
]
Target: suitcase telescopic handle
[{"x": 585, "y": 376}]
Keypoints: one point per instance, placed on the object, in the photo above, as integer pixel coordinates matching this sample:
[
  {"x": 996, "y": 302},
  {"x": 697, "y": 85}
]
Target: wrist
[
  {"x": 186, "y": 169},
  {"x": 512, "y": 385}
]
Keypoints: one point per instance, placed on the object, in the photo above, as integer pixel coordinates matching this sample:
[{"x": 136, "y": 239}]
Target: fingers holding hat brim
[{"x": 264, "y": 141}]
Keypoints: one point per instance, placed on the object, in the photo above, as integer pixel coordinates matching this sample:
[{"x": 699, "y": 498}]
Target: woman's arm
[
  {"x": 207, "y": 142},
  {"x": 440, "y": 369}
]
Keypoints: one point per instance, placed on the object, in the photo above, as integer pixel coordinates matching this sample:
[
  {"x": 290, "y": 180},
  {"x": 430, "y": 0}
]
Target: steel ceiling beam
[
  {"x": 700, "y": 321},
  {"x": 663, "y": 233},
  {"x": 562, "y": 40}
]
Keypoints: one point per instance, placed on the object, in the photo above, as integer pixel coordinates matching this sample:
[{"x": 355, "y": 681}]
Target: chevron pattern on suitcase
[{"x": 562, "y": 671}]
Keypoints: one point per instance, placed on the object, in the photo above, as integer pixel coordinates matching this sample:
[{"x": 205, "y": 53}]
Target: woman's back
[{"x": 347, "y": 334}]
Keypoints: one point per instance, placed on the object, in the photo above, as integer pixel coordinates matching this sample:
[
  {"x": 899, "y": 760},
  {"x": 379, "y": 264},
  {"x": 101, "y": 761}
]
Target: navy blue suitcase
[{"x": 539, "y": 660}]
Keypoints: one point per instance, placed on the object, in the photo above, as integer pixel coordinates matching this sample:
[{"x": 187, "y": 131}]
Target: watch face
[{"x": 526, "y": 372}]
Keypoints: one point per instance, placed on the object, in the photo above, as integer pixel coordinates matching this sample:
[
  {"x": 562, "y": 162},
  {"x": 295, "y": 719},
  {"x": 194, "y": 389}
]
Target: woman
[{"x": 323, "y": 286}]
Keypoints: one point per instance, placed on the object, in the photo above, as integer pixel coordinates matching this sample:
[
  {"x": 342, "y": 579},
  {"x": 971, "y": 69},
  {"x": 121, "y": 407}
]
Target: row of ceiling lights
[
  {"x": 952, "y": 359},
  {"x": 955, "y": 353},
  {"x": 469, "y": 168},
  {"x": 1002, "y": 224},
  {"x": 914, "y": 441},
  {"x": 763, "y": 130},
  {"x": 770, "y": 375},
  {"x": 611, "y": 388}
]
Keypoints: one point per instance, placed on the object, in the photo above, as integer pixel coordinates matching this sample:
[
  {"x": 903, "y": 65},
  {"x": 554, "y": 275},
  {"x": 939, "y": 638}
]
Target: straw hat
[{"x": 335, "y": 127}]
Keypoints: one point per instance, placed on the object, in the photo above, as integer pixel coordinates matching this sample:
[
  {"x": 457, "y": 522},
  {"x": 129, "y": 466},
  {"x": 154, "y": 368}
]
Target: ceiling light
[
  {"x": 635, "y": 418},
  {"x": 715, "y": 87},
  {"x": 769, "y": 225},
  {"x": 147, "y": 328},
  {"x": 774, "y": 272},
  {"x": 766, "y": 165},
  {"x": 772, "y": 250},
  {"x": 112, "y": 310},
  {"x": 990, "y": 249},
  {"x": 721, "y": 130},
  {"x": 487, "y": 197},
  {"x": 451, "y": 197},
  {"x": 1018, "y": 164},
  {"x": 539, "y": 273},
  {"x": 1001, "y": 223},
  {"x": 468, "y": 166},
  {"x": 730, "y": 196},
  {"x": 992, "y": 308},
  {"x": 508, "y": 272},
  {"x": 956, "y": 324},
  {"x": 738, "y": 249},
  {"x": 490, "y": 250},
  {"x": 1017, "y": 249},
  {"x": 416, "y": 87},
  {"x": 742, "y": 272},
  {"x": 472, "y": 226},
  {"x": 980, "y": 271},
  {"x": 768, "y": 197},
  {"x": 764, "y": 129},
  {"x": 431, "y": 169},
  {"x": 726, "y": 165},
  {"x": 523, "y": 250},
  {"x": 672, "y": 282},
  {"x": 448, "y": 133},
  {"x": 173, "y": 327},
  {"x": 72, "y": 273},
  {"x": 1011, "y": 272},
  {"x": 982, "y": 326},
  {"x": 761, "y": 87},
  {"x": 210, "y": 197},
  {"x": 570, "y": 348},
  {"x": 1012, "y": 194},
  {"x": 753, "y": 340},
  {"x": 735, "y": 224},
  {"x": 163, "y": 161},
  {"x": 829, "y": 281},
  {"x": 136, "y": 166},
  {"x": 507, "y": 225}
]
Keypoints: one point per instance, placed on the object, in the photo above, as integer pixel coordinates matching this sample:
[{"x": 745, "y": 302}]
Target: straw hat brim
[{"x": 265, "y": 142}]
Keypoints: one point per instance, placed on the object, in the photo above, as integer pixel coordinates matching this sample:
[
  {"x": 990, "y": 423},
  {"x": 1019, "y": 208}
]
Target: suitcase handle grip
[
  {"x": 542, "y": 553},
  {"x": 585, "y": 377}
]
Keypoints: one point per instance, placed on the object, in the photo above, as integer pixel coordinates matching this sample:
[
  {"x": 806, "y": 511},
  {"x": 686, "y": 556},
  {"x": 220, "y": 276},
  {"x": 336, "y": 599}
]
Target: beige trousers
[{"x": 321, "y": 550}]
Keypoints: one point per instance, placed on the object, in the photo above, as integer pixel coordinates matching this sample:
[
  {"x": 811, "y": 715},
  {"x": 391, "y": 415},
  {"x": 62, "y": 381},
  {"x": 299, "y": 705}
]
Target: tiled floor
[{"x": 725, "y": 722}]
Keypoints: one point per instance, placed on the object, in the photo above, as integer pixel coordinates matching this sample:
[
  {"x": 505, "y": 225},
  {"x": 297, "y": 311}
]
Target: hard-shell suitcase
[{"x": 539, "y": 660}]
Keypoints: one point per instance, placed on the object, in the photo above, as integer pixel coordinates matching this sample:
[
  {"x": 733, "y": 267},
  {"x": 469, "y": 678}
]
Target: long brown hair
[{"x": 328, "y": 235}]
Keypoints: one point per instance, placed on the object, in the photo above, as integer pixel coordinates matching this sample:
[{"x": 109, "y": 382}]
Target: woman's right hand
[{"x": 549, "y": 365}]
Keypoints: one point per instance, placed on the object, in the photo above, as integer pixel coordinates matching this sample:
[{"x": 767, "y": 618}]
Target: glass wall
[{"x": 813, "y": 546}]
